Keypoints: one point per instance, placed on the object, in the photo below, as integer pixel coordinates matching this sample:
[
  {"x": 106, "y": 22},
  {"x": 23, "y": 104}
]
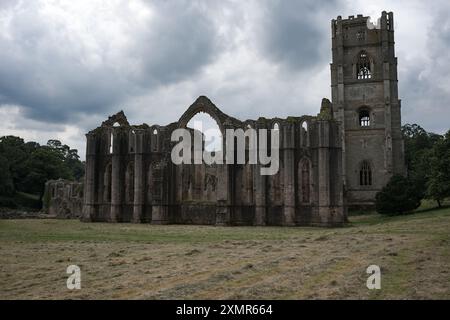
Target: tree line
[
  {"x": 427, "y": 157},
  {"x": 26, "y": 166}
]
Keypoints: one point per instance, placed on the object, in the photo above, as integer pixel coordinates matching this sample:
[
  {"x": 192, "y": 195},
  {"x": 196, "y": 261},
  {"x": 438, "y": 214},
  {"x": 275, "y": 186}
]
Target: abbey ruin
[{"x": 337, "y": 159}]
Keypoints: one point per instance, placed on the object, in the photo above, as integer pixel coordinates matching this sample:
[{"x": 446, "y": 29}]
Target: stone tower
[{"x": 365, "y": 102}]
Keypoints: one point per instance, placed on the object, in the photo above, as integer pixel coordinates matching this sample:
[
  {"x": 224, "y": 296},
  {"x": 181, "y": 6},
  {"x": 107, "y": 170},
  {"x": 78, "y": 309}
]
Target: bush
[
  {"x": 401, "y": 195},
  {"x": 7, "y": 203}
]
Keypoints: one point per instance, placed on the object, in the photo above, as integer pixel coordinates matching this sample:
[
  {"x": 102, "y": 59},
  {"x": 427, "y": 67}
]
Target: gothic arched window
[
  {"x": 365, "y": 174},
  {"x": 304, "y": 134},
  {"x": 363, "y": 68},
  {"x": 132, "y": 141},
  {"x": 155, "y": 139},
  {"x": 364, "y": 118},
  {"x": 111, "y": 142}
]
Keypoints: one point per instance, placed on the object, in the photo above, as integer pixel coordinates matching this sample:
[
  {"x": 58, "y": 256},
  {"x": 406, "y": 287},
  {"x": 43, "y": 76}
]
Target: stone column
[
  {"x": 223, "y": 213},
  {"x": 260, "y": 196},
  {"x": 223, "y": 190},
  {"x": 160, "y": 182},
  {"x": 324, "y": 171},
  {"x": 288, "y": 170},
  {"x": 116, "y": 196},
  {"x": 259, "y": 186},
  {"x": 138, "y": 176},
  {"x": 89, "y": 180}
]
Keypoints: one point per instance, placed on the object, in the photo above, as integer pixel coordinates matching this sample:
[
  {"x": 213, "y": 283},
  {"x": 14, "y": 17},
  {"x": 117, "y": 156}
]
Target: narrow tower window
[
  {"x": 111, "y": 142},
  {"x": 304, "y": 134},
  {"x": 365, "y": 174},
  {"x": 364, "y": 118},
  {"x": 363, "y": 66},
  {"x": 155, "y": 139}
]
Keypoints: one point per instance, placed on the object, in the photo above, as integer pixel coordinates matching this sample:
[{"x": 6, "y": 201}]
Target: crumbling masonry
[
  {"x": 130, "y": 175},
  {"x": 340, "y": 158}
]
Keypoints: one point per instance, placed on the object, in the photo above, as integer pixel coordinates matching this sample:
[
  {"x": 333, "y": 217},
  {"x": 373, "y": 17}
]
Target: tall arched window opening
[
  {"x": 363, "y": 68},
  {"x": 365, "y": 174}
]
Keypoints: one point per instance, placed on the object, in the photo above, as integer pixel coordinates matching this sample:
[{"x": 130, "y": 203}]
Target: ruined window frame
[
  {"x": 365, "y": 174},
  {"x": 364, "y": 66},
  {"x": 364, "y": 118}
]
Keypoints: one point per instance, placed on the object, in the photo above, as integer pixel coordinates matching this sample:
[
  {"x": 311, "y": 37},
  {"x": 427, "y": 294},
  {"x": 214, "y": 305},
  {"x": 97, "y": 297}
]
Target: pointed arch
[
  {"x": 276, "y": 126},
  {"x": 203, "y": 104},
  {"x": 210, "y": 131},
  {"x": 304, "y": 135}
]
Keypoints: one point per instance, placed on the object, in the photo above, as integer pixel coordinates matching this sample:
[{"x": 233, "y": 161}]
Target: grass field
[{"x": 132, "y": 261}]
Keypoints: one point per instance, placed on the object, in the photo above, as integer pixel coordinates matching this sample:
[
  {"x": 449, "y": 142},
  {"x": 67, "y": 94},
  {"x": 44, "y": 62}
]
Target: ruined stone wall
[
  {"x": 131, "y": 178},
  {"x": 63, "y": 198}
]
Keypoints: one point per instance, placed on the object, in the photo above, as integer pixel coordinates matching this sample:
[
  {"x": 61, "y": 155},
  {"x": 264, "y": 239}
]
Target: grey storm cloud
[
  {"x": 47, "y": 70},
  {"x": 296, "y": 33},
  {"x": 66, "y": 65},
  {"x": 425, "y": 86},
  {"x": 183, "y": 41}
]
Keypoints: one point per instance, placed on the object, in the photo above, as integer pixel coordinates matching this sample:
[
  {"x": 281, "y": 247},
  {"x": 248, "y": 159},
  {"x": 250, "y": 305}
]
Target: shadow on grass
[{"x": 376, "y": 218}]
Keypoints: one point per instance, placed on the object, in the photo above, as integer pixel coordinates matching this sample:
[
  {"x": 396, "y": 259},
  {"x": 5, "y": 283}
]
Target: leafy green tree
[
  {"x": 401, "y": 195},
  {"x": 438, "y": 186},
  {"x": 26, "y": 166},
  {"x": 6, "y": 182},
  {"x": 417, "y": 140},
  {"x": 16, "y": 151},
  {"x": 44, "y": 163},
  {"x": 421, "y": 157},
  {"x": 71, "y": 158}
]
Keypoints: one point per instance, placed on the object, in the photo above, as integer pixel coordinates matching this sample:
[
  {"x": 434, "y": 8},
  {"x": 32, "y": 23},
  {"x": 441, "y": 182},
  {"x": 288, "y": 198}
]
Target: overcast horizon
[{"x": 65, "y": 66}]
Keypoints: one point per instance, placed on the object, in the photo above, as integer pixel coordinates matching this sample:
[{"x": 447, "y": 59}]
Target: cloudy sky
[{"x": 66, "y": 65}]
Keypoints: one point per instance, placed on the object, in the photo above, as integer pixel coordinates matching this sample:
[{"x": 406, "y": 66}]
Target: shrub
[
  {"x": 7, "y": 203},
  {"x": 401, "y": 195}
]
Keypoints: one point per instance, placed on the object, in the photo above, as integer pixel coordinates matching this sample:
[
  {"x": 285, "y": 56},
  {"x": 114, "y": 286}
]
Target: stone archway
[
  {"x": 203, "y": 104},
  {"x": 222, "y": 186}
]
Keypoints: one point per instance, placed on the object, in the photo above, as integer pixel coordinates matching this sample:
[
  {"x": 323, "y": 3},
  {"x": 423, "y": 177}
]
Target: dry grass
[{"x": 129, "y": 261}]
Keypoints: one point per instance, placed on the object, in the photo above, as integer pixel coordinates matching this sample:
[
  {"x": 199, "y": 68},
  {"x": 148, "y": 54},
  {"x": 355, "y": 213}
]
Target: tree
[
  {"x": 44, "y": 163},
  {"x": 438, "y": 186},
  {"x": 401, "y": 195},
  {"x": 417, "y": 140},
  {"x": 6, "y": 182},
  {"x": 16, "y": 151},
  {"x": 421, "y": 156},
  {"x": 26, "y": 166},
  {"x": 70, "y": 156}
]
